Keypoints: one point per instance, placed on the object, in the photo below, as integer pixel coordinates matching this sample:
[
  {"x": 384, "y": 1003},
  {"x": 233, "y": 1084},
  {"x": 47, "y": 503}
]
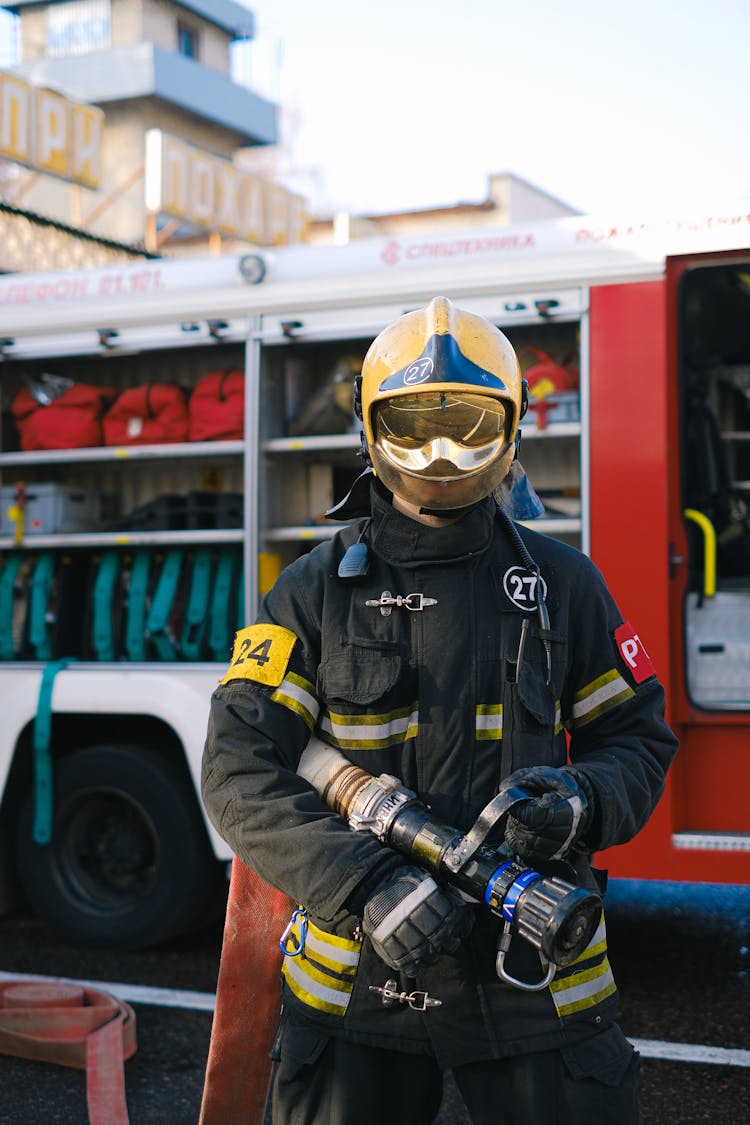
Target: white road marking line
[
  {"x": 691, "y": 1052},
  {"x": 206, "y": 1001},
  {"x": 133, "y": 993}
]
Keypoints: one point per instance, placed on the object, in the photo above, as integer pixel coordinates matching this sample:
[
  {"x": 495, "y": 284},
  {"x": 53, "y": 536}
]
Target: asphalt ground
[{"x": 681, "y": 957}]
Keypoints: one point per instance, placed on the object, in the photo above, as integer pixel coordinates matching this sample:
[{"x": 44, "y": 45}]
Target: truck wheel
[{"x": 129, "y": 863}]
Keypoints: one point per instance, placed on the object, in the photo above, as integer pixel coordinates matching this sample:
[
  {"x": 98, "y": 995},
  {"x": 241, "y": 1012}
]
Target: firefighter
[{"x": 436, "y": 639}]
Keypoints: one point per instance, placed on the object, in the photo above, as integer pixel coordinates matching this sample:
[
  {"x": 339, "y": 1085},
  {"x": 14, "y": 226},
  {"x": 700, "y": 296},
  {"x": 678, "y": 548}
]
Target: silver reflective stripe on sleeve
[
  {"x": 298, "y": 695},
  {"x": 322, "y": 976},
  {"x": 600, "y": 696}
]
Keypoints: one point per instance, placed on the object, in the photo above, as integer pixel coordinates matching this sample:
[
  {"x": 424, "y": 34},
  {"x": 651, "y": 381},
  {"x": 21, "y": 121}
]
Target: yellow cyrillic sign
[
  {"x": 45, "y": 131},
  {"x": 189, "y": 184}
]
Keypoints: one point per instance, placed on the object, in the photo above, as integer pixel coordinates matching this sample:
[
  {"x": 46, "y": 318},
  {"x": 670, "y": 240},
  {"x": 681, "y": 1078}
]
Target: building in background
[
  {"x": 510, "y": 199},
  {"x": 121, "y": 119},
  {"x": 172, "y": 120},
  {"x": 32, "y": 243}
]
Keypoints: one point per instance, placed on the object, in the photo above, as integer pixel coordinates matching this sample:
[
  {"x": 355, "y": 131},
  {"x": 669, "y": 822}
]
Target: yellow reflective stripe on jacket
[
  {"x": 298, "y": 695},
  {"x": 370, "y": 732},
  {"x": 322, "y": 976},
  {"x": 334, "y": 952},
  {"x": 489, "y": 721},
  {"x": 600, "y": 696},
  {"x": 588, "y": 981}
]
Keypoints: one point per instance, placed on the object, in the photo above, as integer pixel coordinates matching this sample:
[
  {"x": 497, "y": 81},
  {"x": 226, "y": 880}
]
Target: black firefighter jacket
[{"x": 438, "y": 697}]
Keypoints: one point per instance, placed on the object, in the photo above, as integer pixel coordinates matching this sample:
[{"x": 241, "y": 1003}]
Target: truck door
[{"x": 710, "y": 526}]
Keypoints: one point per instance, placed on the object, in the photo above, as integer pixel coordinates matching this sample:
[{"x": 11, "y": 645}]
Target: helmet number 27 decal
[
  {"x": 520, "y": 587},
  {"x": 418, "y": 371}
]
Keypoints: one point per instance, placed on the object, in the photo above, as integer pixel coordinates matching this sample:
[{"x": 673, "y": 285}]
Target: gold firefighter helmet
[{"x": 440, "y": 399}]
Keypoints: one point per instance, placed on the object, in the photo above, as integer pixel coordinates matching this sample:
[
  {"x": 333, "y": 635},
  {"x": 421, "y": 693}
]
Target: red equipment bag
[
  {"x": 547, "y": 376},
  {"x": 72, "y": 420},
  {"x": 153, "y": 414},
  {"x": 217, "y": 407},
  {"x": 546, "y": 379}
]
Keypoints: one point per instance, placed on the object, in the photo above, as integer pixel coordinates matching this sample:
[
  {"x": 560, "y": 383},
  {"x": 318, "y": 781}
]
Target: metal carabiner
[
  {"x": 503, "y": 945},
  {"x": 290, "y": 936}
]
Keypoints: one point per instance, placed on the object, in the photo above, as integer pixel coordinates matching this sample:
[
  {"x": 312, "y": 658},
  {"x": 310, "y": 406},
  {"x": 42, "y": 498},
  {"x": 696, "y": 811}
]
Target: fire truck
[{"x": 130, "y": 552}]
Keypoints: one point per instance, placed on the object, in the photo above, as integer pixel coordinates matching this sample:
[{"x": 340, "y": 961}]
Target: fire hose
[
  {"x": 248, "y": 1001},
  {"x": 556, "y": 917},
  {"x": 74, "y": 1026}
]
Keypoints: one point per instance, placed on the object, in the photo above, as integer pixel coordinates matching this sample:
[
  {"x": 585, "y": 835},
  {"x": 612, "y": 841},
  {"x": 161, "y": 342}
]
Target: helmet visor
[{"x": 444, "y": 435}]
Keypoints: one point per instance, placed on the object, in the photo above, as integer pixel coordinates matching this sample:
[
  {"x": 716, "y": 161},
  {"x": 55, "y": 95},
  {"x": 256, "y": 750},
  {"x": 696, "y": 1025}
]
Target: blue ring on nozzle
[
  {"x": 514, "y": 893},
  {"x": 492, "y": 879}
]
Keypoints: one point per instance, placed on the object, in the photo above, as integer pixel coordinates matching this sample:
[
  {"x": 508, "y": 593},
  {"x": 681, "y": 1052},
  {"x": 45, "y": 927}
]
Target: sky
[{"x": 633, "y": 107}]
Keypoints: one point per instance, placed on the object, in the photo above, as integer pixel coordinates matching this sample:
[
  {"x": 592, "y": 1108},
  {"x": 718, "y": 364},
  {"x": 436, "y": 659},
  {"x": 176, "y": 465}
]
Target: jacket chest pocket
[
  {"x": 367, "y": 697},
  {"x": 359, "y": 673}
]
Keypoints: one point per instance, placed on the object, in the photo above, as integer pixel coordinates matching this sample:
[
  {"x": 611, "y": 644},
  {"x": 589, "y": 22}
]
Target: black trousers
[{"x": 327, "y": 1081}]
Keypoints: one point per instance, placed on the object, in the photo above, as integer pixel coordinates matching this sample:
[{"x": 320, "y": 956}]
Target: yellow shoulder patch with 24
[{"x": 261, "y": 653}]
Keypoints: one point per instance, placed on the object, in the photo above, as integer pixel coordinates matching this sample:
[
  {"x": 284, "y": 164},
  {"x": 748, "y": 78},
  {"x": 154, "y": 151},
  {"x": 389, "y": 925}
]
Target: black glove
[
  {"x": 558, "y": 814},
  {"x": 411, "y": 921}
]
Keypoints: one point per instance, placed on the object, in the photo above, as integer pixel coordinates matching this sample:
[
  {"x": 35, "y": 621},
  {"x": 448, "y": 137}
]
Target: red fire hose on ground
[
  {"x": 73, "y": 1026},
  {"x": 248, "y": 996}
]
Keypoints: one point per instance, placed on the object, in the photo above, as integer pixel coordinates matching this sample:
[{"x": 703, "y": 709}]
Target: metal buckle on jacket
[
  {"x": 419, "y": 1001},
  {"x": 413, "y": 602}
]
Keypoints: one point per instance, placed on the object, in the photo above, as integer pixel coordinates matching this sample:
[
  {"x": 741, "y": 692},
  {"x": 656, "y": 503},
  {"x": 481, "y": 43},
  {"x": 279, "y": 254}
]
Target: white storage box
[
  {"x": 565, "y": 407},
  {"x": 51, "y": 509}
]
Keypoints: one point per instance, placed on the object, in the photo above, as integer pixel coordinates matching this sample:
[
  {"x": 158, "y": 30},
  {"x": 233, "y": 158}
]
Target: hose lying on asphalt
[{"x": 73, "y": 1026}]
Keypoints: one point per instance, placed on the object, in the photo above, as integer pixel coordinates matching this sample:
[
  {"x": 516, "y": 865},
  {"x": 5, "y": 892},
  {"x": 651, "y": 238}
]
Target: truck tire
[{"x": 129, "y": 863}]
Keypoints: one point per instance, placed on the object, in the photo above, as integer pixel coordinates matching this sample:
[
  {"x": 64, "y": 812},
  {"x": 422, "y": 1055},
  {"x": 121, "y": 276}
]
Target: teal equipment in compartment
[
  {"x": 39, "y": 601},
  {"x": 157, "y": 623},
  {"x": 196, "y": 610},
  {"x": 103, "y": 630},
  {"x": 7, "y": 606},
  {"x": 42, "y": 734},
  {"x": 135, "y": 617},
  {"x": 220, "y": 634}
]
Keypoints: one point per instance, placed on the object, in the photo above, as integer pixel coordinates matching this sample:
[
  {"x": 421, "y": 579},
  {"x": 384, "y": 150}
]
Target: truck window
[{"x": 713, "y": 317}]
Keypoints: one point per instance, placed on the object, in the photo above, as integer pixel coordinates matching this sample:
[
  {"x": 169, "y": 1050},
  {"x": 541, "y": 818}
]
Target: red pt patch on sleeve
[{"x": 633, "y": 653}]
